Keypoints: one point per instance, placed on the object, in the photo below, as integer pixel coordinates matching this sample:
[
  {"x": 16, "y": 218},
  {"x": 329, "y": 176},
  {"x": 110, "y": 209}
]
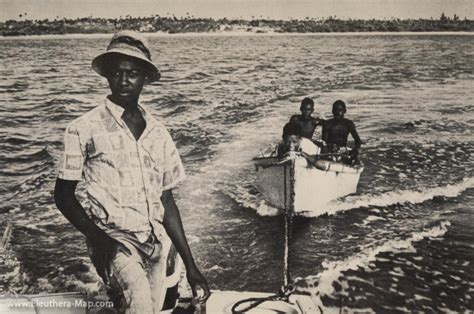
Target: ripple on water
[{"x": 222, "y": 107}]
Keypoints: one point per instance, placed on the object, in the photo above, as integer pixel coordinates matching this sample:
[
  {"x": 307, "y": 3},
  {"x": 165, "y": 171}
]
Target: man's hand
[
  {"x": 174, "y": 228},
  {"x": 102, "y": 252},
  {"x": 196, "y": 280},
  {"x": 104, "y": 248}
]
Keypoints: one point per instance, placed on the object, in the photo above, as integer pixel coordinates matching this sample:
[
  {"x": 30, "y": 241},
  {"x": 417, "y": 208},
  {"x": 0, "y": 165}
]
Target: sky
[{"x": 274, "y": 9}]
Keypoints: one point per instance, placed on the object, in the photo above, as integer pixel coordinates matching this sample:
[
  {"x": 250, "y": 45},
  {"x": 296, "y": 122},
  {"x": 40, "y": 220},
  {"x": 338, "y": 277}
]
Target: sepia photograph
[{"x": 236, "y": 156}]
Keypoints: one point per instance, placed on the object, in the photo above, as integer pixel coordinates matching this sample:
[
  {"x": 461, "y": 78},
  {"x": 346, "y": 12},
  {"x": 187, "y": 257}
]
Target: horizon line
[{"x": 260, "y": 17}]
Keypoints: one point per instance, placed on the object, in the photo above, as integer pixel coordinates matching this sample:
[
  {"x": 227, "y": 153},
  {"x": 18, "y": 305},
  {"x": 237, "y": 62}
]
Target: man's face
[
  {"x": 338, "y": 111},
  {"x": 126, "y": 80},
  {"x": 306, "y": 110}
]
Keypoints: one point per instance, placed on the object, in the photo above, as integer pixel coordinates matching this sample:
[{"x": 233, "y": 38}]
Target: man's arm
[
  {"x": 174, "y": 227},
  {"x": 67, "y": 203}
]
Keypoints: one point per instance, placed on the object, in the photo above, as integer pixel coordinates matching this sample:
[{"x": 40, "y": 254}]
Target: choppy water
[{"x": 404, "y": 242}]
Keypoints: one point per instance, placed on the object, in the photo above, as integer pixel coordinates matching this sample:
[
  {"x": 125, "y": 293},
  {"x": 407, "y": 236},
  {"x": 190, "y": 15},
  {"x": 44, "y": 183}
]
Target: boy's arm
[
  {"x": 174, "y": 228},
  {"x": 294, "y": 119},
  {"x": 318, "y": 121},
  {"x": 324, "y": 133},
  {"x": 67, "y": 203},
  {"x": 312, "y": 159},
  {"x": 355, "y": 136}
]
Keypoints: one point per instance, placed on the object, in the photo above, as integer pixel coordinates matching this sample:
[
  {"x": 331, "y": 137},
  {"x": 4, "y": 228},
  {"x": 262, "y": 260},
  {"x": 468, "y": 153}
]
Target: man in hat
[{"x": 129, "y": 165}]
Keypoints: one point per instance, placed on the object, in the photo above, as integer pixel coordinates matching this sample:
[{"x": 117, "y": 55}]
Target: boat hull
[
  {"x": 219, "y": 302},
  {"x": 297, "y": 187}
]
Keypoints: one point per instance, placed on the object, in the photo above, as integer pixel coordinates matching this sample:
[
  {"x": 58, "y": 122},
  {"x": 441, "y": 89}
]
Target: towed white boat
[{"x": 295, "y": 186}]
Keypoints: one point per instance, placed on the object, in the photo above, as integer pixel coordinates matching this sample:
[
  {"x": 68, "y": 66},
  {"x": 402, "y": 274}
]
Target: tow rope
[
  {"x": 287, "y": 289},
  {"x": 282, "y": 295}
]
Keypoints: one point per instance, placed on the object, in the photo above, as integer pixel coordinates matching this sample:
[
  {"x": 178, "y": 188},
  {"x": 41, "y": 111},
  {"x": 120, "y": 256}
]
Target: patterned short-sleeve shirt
[{"x": 124, "y": 177}]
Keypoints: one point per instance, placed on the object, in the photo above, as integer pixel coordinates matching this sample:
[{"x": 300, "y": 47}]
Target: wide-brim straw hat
[{"x": 131, "y": 44}]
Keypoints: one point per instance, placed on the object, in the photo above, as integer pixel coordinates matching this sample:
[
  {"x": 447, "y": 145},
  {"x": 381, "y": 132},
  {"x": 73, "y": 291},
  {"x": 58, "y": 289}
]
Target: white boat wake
[
  {"x": 262, "y": 208},
  {"x": 391, "y": 198},
  {"x": 322, "y": 284}
]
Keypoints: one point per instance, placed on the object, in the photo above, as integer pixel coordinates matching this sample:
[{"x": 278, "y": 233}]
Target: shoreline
[{"x": 236, "y": 33}]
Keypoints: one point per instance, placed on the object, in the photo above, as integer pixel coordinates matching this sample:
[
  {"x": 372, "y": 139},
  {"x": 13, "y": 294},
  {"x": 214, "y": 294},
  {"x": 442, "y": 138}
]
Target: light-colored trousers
[{"x": 139, "y": 282}]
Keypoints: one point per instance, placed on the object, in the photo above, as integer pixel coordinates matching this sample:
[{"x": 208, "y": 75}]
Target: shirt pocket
[
  {"x": 99, "y": 148},
  {"x": 153, "y": 158},
  {"x": 157, "y": 174}
]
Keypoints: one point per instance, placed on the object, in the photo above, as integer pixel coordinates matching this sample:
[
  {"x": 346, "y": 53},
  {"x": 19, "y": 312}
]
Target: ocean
[{"x": 404, "y": 242}]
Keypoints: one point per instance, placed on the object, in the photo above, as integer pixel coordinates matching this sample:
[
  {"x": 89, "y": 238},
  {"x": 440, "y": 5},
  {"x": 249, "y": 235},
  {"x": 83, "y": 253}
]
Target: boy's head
[
  {"x": 291, "y": 136},
  {"x": 126, "y": 77},
  {"x": 307, "y": 107},
  {"x": 338, "y": 109}
]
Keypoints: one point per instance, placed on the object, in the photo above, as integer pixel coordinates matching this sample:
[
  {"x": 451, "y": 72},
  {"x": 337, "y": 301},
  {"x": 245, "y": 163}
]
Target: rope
[
  {"x": 286, "y": 270},
  {"x": 282, "y": 295},
  {"x": 289, "y": 211},
  {"x": 287, "y": 289}
]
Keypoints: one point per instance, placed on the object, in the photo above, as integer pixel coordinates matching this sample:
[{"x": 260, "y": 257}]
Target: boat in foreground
[
  {"x": 83, "y": 303},
  {"x": 295, "y": 186},
  {"x": 219, "y": 302}
]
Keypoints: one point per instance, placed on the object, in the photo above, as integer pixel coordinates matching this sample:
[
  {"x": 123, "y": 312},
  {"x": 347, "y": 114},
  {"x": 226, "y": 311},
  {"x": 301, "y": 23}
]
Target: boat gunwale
[{"x": 267, "y": 162}]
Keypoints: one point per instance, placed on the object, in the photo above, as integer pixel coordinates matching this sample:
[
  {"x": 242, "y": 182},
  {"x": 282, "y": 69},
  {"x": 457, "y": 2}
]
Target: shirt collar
[{"x": 117, "y": 112}]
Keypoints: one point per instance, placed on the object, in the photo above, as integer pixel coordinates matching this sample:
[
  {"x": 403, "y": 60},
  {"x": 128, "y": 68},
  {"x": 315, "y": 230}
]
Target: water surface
[{"x": 404, "y": 242}]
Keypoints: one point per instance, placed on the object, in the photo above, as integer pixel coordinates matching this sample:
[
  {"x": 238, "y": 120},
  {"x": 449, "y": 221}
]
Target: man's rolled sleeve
[
  {"x": 73, "y": 156},
  {"x": 173, "y": 167}
]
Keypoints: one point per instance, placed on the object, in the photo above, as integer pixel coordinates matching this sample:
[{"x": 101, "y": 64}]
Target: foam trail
[
  {"x": 11, "y": 270},
  {"x": 230, "y": 160},
  {"x": 352, "y": 202},
  {"x": 333, "y": 270},
  {"x": 242, "y": 196},
  {"x": 266, "y": 210},
  {"x": 391, "y": 198}
]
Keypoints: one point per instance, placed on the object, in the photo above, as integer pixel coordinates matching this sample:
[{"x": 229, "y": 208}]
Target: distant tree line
[{"x": 172, "y": 24}]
